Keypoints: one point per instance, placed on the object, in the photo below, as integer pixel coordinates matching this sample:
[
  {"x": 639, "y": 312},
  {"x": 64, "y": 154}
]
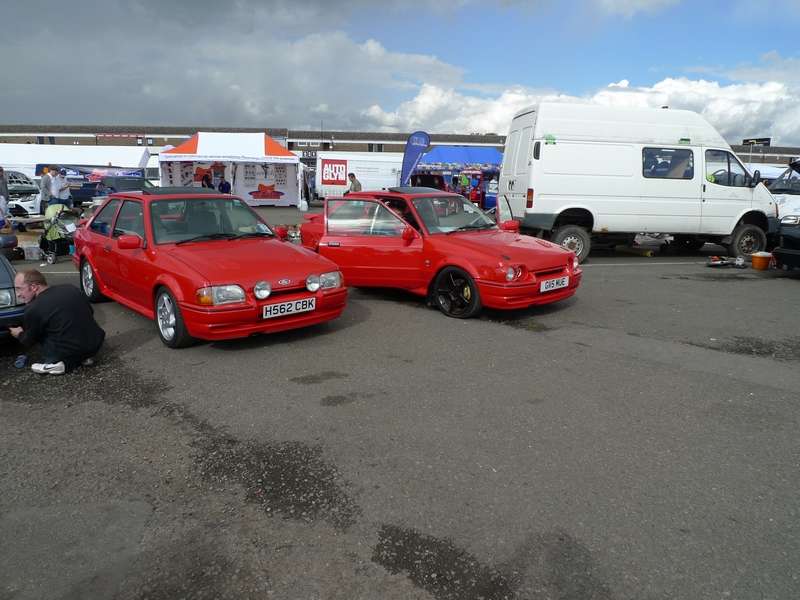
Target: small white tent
[
  {"x": 258, "y": 168},
  {"x": 25, "y": 157}
]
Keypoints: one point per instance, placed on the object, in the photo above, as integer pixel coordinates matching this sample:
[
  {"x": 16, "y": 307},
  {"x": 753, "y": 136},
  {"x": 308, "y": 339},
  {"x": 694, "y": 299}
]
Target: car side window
[
  {"x": 102, "y": 223},
  {"x": 362, "y": 217},
  {"x": 722, "y": 168},
  {"x": 667, "y": 163},
  {"x": 130, "y": 220}
]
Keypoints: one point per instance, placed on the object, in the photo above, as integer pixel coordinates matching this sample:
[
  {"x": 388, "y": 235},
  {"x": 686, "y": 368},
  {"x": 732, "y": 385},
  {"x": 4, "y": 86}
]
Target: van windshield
[{"x": 445, "y": 214}]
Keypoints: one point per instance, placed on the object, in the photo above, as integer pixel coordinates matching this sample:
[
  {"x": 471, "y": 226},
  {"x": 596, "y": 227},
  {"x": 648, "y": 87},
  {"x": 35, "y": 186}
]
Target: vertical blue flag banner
[{"x": 416, "y": 145}]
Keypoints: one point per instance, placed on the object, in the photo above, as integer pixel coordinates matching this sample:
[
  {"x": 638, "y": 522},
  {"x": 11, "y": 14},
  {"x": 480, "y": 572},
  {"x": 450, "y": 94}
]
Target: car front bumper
[
  {"x": 788, "y": 253},
  {"x": 231, "y": 323},
  {"x": 10, "y": 317},
  {"x": 515, "y": 296}
]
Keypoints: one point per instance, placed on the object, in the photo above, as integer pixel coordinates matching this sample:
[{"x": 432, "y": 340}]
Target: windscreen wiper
[
  {"x": 206, "y": 236},
  {"x": 239, "y": 236},
  {"x": 472, "y": 227}
]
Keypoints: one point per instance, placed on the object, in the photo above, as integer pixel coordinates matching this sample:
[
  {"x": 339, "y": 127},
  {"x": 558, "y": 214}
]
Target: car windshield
[
  {"x": 787, "y": 183},
  {"x": 446, "y": 214},
  {"x": 190, "y": 219}
]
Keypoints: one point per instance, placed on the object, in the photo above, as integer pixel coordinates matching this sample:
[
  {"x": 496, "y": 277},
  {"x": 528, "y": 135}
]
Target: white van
[
  {"x": 375, "y": 171},
  {"x": 580, "y": 174}
]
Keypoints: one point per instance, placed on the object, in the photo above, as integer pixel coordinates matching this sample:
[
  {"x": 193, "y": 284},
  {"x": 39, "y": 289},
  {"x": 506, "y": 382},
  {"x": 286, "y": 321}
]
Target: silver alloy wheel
[
  {"x": 165, "y": 315},
  {"x": 87, "y": 278},
  {"x": 574, "y": 243}
]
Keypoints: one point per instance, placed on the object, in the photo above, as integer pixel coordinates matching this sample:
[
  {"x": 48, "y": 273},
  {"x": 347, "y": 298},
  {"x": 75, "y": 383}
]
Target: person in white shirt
[
  {"x": 59, "y": 189},
  {"x": 44, "y": 189}
]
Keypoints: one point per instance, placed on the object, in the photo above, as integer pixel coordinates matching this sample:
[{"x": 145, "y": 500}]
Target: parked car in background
[
  {"x": 441, "y": 246},
  {"x": 88, "y": 189},
  {"x": 23, "y": 194},
  {"x": 203, "y": 265},
  {"x": 787, "y": 254},
  {"x": 11, "y": 310}
]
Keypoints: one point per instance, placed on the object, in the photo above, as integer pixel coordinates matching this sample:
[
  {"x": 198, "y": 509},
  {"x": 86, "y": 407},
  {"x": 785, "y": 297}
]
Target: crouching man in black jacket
[{"x": 60, "y": 319}]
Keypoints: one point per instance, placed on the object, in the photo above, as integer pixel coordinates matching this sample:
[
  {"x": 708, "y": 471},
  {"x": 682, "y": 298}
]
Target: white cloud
[{"x": 628, "y": 8}]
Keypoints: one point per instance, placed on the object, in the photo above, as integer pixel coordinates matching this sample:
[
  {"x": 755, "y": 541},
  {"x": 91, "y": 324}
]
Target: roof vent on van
[{"x": 665, "y": 106}]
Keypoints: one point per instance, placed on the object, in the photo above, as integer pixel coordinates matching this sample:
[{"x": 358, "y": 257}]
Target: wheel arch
[
  {"x": 576, "y": 215},
  {"x": 754, "y": 217}
]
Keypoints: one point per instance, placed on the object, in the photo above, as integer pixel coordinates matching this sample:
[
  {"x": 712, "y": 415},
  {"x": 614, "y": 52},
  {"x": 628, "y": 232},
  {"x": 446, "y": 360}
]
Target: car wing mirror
[
  {"x": 282, "y": 232},
  {"x": 756, "y": 179},
  {"x": 129, "y": 242},
  {"x": 510, "y": 225},
  {"x": 409, "y": 235}
]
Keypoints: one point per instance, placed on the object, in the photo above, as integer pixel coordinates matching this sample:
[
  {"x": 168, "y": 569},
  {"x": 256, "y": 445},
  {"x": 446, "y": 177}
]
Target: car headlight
[
  {"x": 514, "y": 272},
  {"x": 791, "y": 220},
  {"x": 575, "y": 263},
  {"x": 262, "y": 290},
  {"x": 6, "y": 298},
  {"x": 326, "y": 281},
  {"x": 220, "y": 294}
]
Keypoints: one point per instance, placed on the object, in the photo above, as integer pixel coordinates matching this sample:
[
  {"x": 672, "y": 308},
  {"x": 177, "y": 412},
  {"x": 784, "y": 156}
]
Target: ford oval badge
[{"x": 284, "y": 281}]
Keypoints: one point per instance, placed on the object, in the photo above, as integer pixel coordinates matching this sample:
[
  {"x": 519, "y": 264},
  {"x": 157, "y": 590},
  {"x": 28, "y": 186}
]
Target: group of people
[
  {"x": 54, "y": 188},
  {"x": 60, "y": 320},
  {"x": 223, "y": 187}
]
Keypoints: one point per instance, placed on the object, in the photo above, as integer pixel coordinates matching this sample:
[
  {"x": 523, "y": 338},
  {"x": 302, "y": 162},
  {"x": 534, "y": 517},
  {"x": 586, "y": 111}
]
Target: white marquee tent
[{"x": 258, "y": 168}]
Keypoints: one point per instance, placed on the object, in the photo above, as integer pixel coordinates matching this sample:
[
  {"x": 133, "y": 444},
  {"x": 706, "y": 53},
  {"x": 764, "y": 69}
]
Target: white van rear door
[{"x": 726, "y": 192}]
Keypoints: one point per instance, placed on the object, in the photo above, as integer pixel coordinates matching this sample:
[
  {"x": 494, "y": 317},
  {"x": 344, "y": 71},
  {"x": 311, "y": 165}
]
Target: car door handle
[
  {"x": 107, "y": 248},
  {"x": 331, "y": 244}
]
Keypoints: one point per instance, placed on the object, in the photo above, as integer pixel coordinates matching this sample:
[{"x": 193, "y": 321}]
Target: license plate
[
  {"x": 554, "y": 284},
  {"x": 270, "y": 311}
]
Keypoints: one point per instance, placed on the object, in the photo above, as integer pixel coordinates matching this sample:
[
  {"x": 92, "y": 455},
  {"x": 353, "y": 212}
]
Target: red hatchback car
[
  {"x": 439, "y": 245},
  {"x": 203, "y": 266}
]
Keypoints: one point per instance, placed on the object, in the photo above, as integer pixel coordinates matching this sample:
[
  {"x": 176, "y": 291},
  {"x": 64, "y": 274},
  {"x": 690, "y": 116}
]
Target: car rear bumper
[
  {"x": 509, "y": 297},
  {"x": 216, "y": 324}
]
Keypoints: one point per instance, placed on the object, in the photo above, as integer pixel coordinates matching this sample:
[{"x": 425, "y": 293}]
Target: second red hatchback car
[{"x": 203, "y": 266}]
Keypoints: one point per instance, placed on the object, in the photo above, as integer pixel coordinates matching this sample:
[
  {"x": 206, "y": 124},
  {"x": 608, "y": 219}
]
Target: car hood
[
  {"x": 788, "y": 204},
  {"x": 504, "y": 246},
  {"x": 250, "y": 260}
]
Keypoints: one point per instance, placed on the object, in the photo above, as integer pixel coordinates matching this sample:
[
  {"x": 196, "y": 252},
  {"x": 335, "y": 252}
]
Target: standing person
[
  {"x": 44, "y": 189},
  {"x": 3, "y": 192},
  {"x": 206, "y": 182},
  {"x": 59, "y": 319},
  {"x": 355, "y": 184},
  {"x": 224, "y": 187}
]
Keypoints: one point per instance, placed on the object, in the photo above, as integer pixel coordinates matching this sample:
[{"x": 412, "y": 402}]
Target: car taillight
[{"x": 529, "y": 199}]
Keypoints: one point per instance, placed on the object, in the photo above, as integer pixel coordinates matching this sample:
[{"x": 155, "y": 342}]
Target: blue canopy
[{"x": 461, "y": 157}]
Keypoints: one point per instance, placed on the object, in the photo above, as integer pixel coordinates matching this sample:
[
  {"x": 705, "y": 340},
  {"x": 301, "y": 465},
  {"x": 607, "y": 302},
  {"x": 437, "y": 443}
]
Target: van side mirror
[
  {"x": 510, "y": 225},
  {"x": 756, "y": 179},
  {"x": 408, "y": 235},
  {"x": 129, "y": 242}
]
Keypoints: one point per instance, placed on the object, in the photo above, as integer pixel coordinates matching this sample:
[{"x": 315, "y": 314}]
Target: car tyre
[
  {"x": 89, "y": 285},
  {"x": 575, "y": 238},
  {"x": 455, "y": 294},
  {"x": 746, "y": 240},
  {"x": 169, "y": 321}
]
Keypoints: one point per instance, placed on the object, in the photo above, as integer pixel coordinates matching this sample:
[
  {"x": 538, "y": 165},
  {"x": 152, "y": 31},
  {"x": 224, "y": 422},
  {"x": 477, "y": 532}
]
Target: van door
[{"x": 726, "y": 192}]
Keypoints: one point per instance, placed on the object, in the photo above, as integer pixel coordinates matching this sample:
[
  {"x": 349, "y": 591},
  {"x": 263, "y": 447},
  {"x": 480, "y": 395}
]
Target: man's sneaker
[
  {"x": 49, "y": 368},
  {"x": 87, "y": 362}
]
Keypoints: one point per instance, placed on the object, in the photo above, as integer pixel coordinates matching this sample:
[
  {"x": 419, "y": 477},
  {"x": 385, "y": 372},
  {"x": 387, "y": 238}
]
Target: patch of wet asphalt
[
  {"x": 784, "y": 350},
  {"x": 547, "y": 565}
]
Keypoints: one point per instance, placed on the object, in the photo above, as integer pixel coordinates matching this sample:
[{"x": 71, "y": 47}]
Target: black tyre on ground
[
  {"x": 575, "y": 238},
  {"x": 455, "y": 294},
  {"x": 89, "y": 285},
  {"x": 169, "y": 322},
  {"x": 747, "y": 239}
]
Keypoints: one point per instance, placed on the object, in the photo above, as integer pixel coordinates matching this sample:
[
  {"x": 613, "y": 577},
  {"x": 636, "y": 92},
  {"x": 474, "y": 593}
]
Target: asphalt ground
[{"x": 638, "y": 441}]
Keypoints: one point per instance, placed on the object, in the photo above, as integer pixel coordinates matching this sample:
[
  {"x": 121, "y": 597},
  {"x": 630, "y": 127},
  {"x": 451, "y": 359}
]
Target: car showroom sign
[{"x": 334, "y": 172}]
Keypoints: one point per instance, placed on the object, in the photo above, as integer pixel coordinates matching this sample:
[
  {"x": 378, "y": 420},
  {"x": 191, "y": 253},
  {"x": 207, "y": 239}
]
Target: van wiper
[
  {"x": 472, "y": 227},
  {"x": 206, "y": 236},
  {"x": 252, "y": 234}
]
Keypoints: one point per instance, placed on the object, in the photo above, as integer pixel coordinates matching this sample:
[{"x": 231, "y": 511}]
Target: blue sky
[{"x": 399, "y": 65}]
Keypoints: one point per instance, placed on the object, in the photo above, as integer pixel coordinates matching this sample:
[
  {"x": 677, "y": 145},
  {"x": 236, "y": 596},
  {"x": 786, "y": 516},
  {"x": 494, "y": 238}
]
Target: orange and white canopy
[{"x": 207, "y": 146}]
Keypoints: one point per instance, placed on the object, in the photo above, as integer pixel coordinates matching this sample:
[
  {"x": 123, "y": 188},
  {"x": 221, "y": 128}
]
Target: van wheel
[
  {"x": 746, "y": 240},
  {"x": 575, "y": 238},
  {"x": 455, "y": 294}
]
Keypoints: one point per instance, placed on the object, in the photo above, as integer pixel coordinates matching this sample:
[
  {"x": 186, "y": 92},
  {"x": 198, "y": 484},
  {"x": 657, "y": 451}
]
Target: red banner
[{"x": 334, "y": 172}]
